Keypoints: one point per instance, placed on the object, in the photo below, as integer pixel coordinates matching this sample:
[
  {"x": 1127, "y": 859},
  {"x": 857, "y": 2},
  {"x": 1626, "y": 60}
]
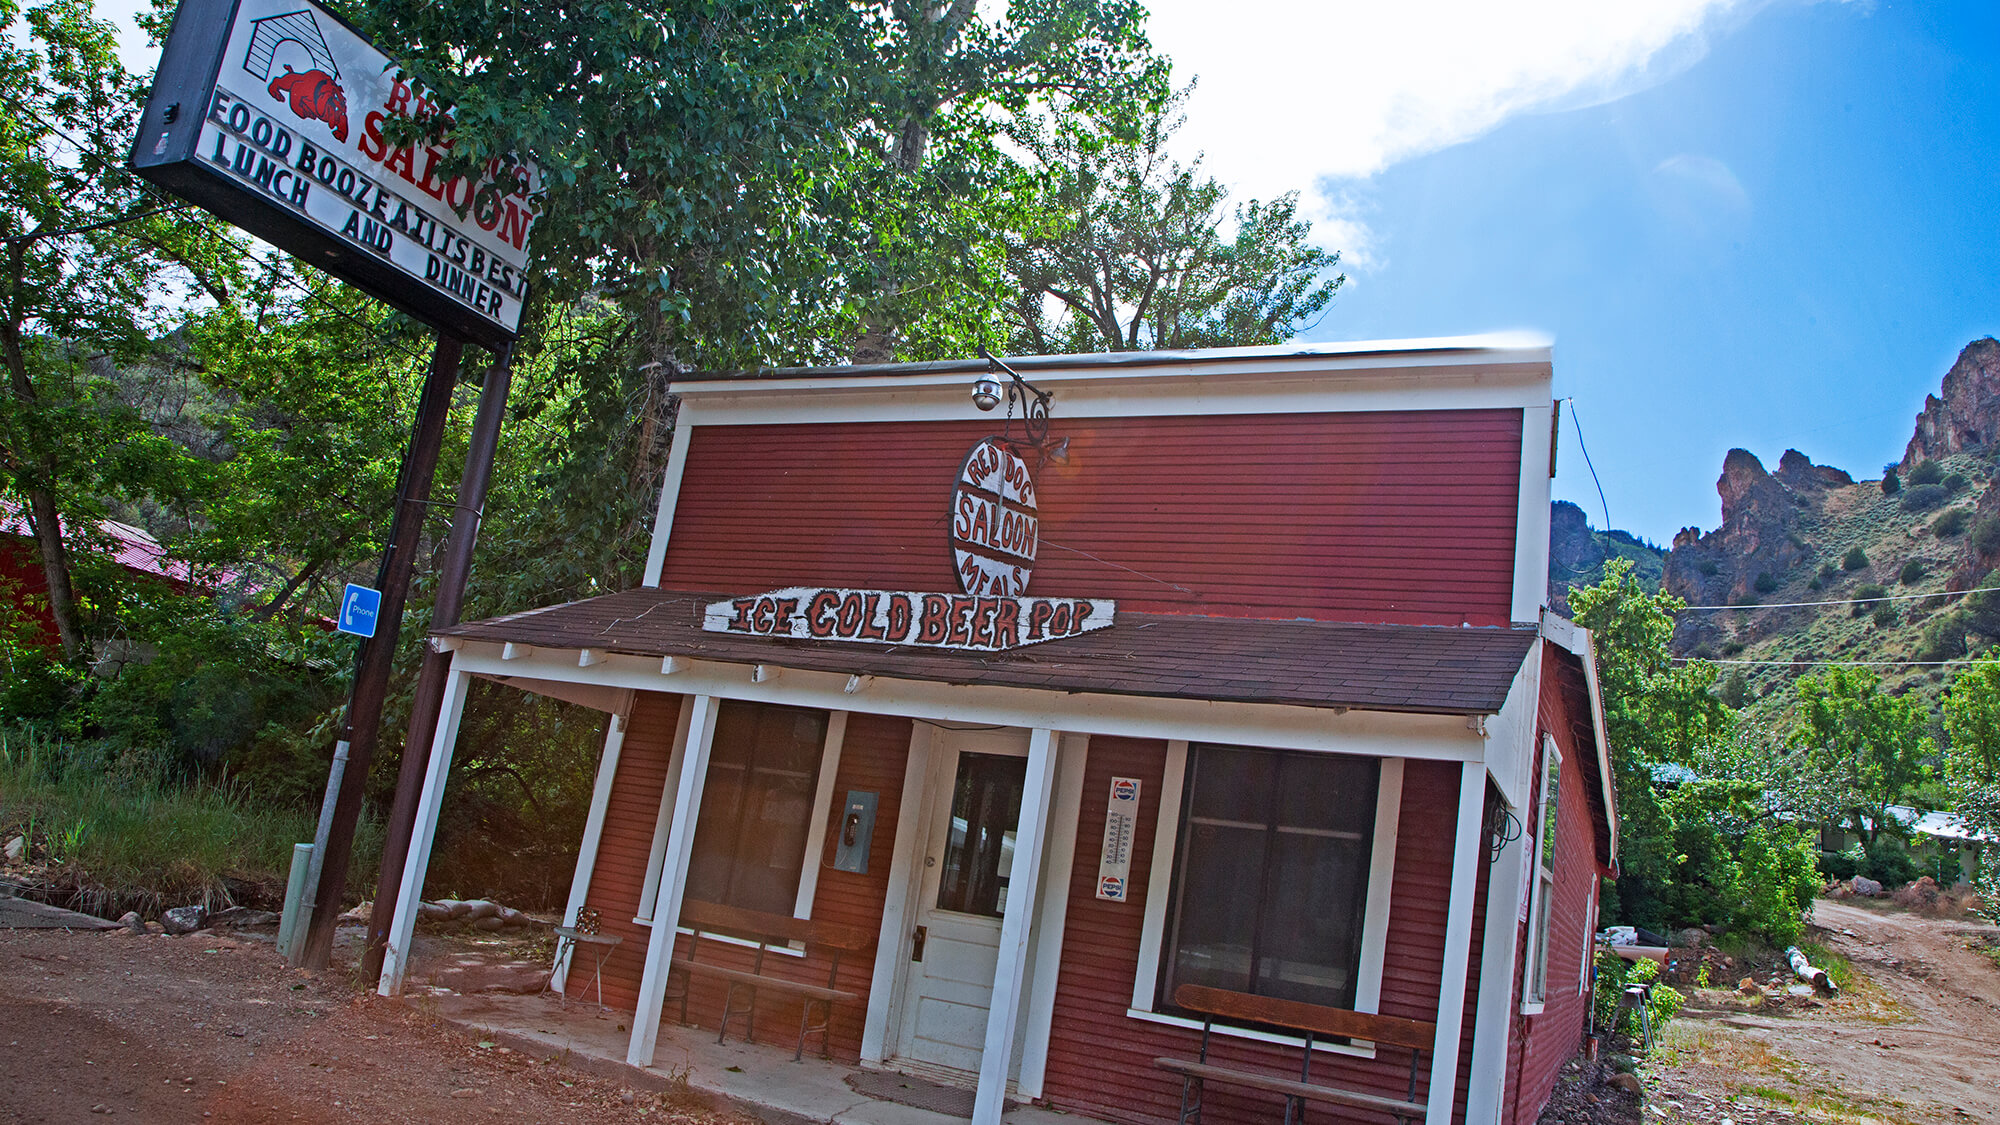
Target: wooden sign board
[
  {"x": 994, "y": 527},
  {"x": 900, "y": 617}
]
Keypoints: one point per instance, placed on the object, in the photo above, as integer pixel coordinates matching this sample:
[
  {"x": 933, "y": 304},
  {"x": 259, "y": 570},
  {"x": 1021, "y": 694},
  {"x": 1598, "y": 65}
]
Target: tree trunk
[{"x": 42, "y": 504}]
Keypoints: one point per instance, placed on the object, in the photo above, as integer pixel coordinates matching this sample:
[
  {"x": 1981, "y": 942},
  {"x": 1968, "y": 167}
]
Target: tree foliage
[
  {"x": 85, "y": 256},
  {"x": 1698, "y": 839},
  {"x": 1129, "y": 249},
  {"x": 1860, "y": 748}
]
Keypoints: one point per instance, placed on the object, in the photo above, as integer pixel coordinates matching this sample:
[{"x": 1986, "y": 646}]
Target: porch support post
[
  {"x": 423, "y": 831},
  {"x": 1022, "y": 892},
  {"x": 593, "y": 831},
  {"x": 1465, "y": 855},
  {"x": 673, "y": 882},
  {"x": 1493, "y": 1018}
]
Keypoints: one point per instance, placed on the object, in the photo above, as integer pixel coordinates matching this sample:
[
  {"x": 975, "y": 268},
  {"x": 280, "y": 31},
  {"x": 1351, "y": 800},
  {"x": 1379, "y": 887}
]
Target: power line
[
  {"x": 1844, "y": 663},
  {"x": 1841, "y": 601},
  {"x": 1578, "y": 423}
]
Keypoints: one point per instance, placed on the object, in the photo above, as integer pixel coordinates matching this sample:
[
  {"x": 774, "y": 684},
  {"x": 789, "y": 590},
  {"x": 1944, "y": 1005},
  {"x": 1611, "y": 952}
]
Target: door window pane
[
  {"x": 1271, "y": 874},
  {"x": 979, "y": 850},
  {"x": 756, "y": 807}
]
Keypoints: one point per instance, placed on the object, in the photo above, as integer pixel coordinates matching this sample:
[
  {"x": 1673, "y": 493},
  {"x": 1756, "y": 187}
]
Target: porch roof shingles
[{"x": 1413, "y": 668}]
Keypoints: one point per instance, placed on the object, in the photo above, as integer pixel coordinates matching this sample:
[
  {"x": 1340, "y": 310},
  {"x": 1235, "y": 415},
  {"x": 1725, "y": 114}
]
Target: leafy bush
[
  {"x": 1986, "y": 535},
  {"x": 1734, "y": 689},
  {"x": 1731, "y": 647},
  {"x": 1955, "y": 482},
  {"x": 1890, "y": 484},
  {"x": 1943, "y": 638},
  {"x": 1862, "y": 594},
  {"x": 1708, "y": 568},
  {"x": 1925, "y": 497},
  {"x": 1926, "y": 472},
  {"x": 1856, "y": 558},
  {"x": 1912, "y": 572},
  {"x": 1663, "y": 1003},
  {"x": 1951, "y": 523},
  {"x": 1826, "y": 572},
  {"x": 1766, "y": 582},
  {"x": 1889, "y": 863},
  {"x": 1835, "y": 866},
  {"x": 1884, "y": 615}
]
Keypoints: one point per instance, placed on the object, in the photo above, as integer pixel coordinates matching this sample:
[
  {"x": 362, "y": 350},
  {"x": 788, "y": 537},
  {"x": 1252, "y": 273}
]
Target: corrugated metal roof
[{"x": 1411, "y": 668}]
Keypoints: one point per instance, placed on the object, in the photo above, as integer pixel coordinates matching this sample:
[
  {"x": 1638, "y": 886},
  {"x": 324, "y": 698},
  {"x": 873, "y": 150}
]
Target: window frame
[
  {"x": 811, "y": 862},
  {"x": 1375, "y": 917},
  {"x": 1542, "y": 876}
]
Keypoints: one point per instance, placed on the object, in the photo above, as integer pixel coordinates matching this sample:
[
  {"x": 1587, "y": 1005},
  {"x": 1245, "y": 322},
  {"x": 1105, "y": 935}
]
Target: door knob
[{"x": 917, "y": 943}]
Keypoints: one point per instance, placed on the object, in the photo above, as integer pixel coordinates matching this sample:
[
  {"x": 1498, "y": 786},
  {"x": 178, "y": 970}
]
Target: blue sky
[
  {"x": 1774, "y": 230},
  {"x": 1756, "y": 223}
]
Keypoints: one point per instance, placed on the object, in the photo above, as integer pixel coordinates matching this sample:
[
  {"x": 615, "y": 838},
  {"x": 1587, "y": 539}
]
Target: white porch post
[
  {"x": 402, "y": 928},
  {"x": 1466, "y": 852},
  {"x": 996, "y": 1059},
  {"x": 673, "y": 881},
  {"x": 593, "y": 831},
  {"x": 898, "y": 905},
  {"x": 1493, "y": 1018}
]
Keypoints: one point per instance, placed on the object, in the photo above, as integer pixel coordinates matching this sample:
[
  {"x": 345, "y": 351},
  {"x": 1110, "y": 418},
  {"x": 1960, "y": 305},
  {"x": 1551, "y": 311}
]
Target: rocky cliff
[
  {"x": 1577, "y": 554},
  {"x": 1812, "y": 534}
]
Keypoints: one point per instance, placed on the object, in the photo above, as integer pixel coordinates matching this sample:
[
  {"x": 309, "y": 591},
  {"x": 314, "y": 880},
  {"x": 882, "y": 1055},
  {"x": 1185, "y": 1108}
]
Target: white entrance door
[{"x": 974, "y": 808}]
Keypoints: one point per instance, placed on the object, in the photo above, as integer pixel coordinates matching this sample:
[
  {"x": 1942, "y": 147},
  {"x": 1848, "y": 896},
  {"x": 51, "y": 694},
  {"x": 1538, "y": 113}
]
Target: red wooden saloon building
[{"x": 1186, "y": 675}]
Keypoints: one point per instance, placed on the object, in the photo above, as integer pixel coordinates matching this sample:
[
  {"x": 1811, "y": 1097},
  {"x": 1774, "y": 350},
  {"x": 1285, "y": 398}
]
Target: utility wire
[
  {"x": 1578, "y": 423},
  {"x": 65, "y": 231},
  {"x": 1842, "y": 601},
  {"x": 1844, "y": 663}
]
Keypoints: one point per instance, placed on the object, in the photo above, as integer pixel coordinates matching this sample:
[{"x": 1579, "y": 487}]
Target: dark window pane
[
  {"x": 756, "y": 808},
  {"x": 1272, "y": 874},
  {"x": 979, "y": 855}
]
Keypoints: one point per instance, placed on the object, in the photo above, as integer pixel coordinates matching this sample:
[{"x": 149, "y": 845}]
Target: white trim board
[{"x": 1273, "y": 726}]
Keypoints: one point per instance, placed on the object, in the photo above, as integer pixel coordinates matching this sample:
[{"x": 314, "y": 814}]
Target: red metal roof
[{"x": 1413, "y": 668}]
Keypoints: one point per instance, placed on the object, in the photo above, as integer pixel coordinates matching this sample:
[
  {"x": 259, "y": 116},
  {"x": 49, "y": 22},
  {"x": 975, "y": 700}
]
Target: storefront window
[
  {"x": 1271, "y": 874},
  {"x": 756, "y": 806}
]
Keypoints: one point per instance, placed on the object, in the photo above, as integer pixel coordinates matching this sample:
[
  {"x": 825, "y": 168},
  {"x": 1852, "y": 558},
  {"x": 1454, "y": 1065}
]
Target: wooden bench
[
  {"x": 1309, "y": 1020},
  {"x": 767, "y": 930}
]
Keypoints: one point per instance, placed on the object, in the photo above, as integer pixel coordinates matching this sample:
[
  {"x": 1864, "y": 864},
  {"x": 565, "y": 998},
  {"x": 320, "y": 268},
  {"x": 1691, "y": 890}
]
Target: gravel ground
[{"x": 216, "y": 1028}]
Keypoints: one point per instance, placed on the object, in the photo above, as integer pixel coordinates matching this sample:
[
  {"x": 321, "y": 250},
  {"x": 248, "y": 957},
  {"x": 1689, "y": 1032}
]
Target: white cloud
[{"x": 1296, "y": 92}]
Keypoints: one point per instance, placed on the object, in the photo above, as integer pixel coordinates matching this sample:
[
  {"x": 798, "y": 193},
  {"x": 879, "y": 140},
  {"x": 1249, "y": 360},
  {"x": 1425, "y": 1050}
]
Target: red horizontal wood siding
[
  {"x": 1101, "y": 1060},
  {"x": 1394, "y": 516},
  {"x": 1544, "y": 1042},
  {"x": 872, "y": 758}
]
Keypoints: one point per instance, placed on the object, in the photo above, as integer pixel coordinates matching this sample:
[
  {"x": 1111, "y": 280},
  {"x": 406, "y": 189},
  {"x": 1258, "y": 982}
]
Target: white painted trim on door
[
  {"x": 892, "y": 946},
  {"x": 1071, "y": 757}
]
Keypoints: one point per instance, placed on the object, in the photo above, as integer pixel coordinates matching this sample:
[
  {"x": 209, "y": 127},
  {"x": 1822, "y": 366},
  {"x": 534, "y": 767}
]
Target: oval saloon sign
[{"x": 994, "y": 527}]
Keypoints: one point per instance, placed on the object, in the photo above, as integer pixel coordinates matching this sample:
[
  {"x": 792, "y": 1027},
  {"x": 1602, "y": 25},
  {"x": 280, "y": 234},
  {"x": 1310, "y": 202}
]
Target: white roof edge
[
  {"x": 1578, "y": 641},
  {"x": 1511, "y": 349}
]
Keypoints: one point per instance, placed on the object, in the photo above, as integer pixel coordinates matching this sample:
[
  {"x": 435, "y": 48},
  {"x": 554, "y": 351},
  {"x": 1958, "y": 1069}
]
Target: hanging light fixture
[{"x": 1033, "y": 401}]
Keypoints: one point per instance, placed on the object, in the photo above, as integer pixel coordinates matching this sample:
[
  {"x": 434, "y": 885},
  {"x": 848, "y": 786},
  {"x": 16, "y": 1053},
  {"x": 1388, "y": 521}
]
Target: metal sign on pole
[{"x": 271, "y": 114}]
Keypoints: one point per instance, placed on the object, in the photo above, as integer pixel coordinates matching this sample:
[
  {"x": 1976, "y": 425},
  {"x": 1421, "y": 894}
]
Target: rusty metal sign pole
[
  {"x": 378, "y": 653},
  {"x": 429, "y": 693}
]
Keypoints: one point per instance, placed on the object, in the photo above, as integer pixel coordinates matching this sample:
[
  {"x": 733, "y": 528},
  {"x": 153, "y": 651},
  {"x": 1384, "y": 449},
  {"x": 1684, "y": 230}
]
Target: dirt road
[
  {"x": 210, "y": 1028},
  {"x": 1917, "y": 1041}
]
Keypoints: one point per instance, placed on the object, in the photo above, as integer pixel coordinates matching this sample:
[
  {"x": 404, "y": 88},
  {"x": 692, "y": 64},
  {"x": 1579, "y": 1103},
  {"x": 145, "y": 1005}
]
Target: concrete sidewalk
[{"x": 758, "y": 1079}]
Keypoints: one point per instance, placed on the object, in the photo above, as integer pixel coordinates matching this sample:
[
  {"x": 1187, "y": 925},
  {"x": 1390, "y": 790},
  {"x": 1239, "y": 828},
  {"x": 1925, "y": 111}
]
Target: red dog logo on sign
[{"x": 315, "y": 96}]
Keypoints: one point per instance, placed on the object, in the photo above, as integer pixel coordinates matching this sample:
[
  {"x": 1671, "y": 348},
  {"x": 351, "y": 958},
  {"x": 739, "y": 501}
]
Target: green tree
[
  {"x": 90, "y": 267},
  {"x": 1127, "y": 250},
  {"x": 1972, "y": 761},
  {"x": 1858, "y": 748}
]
